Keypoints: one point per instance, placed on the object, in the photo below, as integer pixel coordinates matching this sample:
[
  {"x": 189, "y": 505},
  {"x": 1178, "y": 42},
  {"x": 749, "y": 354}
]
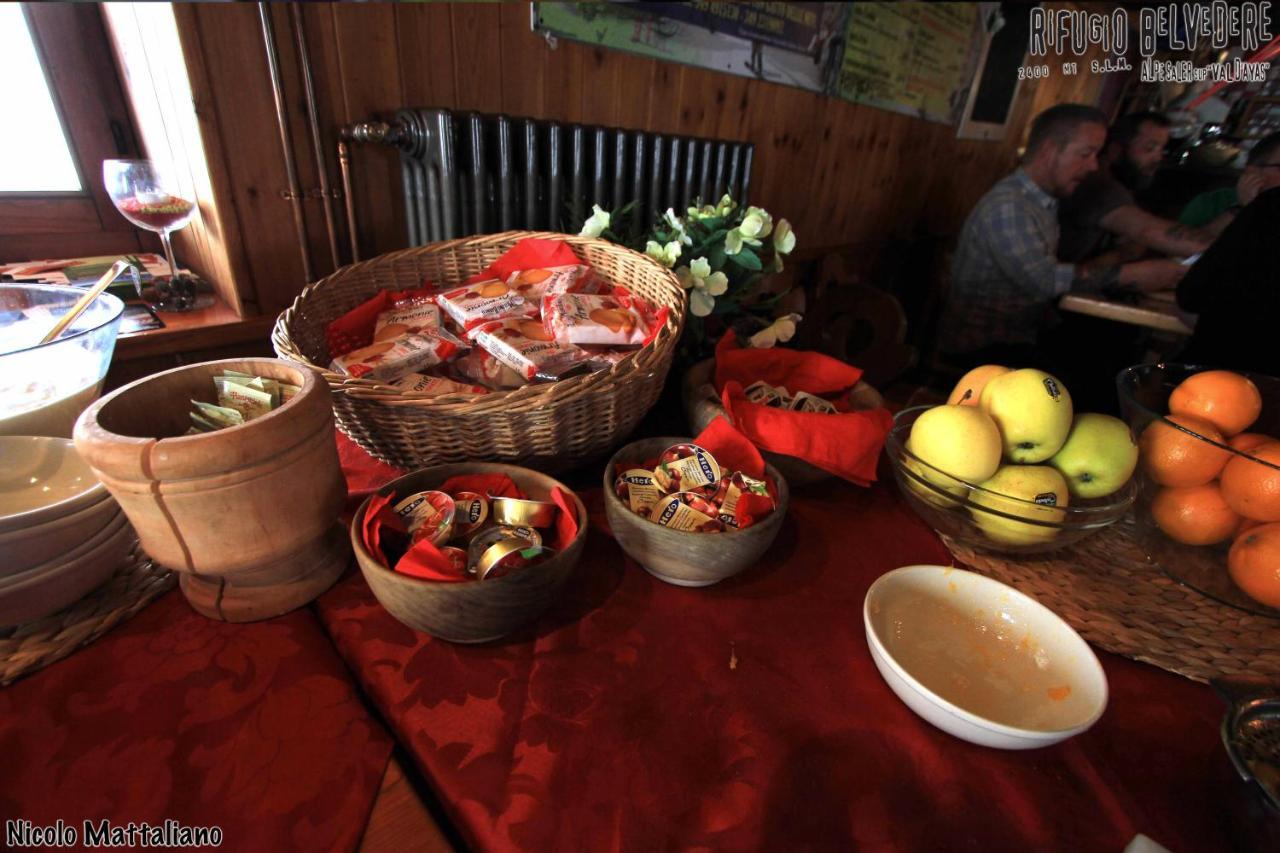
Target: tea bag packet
[
  {"x": 407, "y": 320},
  {"x": 804, "y": 402},
  {"x": 251, "y": 401},
  {"x": 390, "y": 360},
  {"x": 762, "y": 393},
  {"x": 207, "y": 417},
  {"x": 527, "y": 348},
  {"x": 434, "y": 386},
  {"x": 552, "y": 281},
  {"x": 486, "y": 301},
  {"x": 575, "y": 318}
]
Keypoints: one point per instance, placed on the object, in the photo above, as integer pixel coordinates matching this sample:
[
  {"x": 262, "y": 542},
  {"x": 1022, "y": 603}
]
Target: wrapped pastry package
[
  {"x": 408, "y": 320},
  {"x": 526, "y": 347},
  {"x": 584, "y": 319},
  {"x": 487, "y": 301},
  {"x": 391, "y": 360}
]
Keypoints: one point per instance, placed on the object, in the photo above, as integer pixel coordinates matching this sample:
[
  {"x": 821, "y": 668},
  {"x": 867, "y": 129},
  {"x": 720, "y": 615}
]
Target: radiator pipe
[
  {"x": 344, "y": 166},
  {"x": 326, "y": 197},
  {"x": 294, "y": 193},
  {"x": 361, "y": 131}
]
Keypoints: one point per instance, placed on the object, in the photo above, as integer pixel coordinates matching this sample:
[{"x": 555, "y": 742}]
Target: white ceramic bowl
[
  {"x": 980, "y": 660},
  {"x": 23, "y": 549},
  {"x": 42, "y": 479},
  {"x": 48, "y": 588}
]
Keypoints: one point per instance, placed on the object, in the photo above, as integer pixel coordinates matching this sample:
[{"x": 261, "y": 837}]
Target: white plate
[{"x": 980, "y": 660}]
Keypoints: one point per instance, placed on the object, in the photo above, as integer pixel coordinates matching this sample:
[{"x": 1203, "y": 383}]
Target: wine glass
[{"x": 149, "y": 199}]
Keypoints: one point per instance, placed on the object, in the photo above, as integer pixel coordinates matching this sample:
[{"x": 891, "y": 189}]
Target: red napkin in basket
[
  {"x": 527, "y": 254},
  {"x": 735, "y": 452},
  {"x": 566, "y": 519},
  {"x": 354, "y": 329},
  {"x": 846, "y": 444},
  {"x": 489, "y": 485}
]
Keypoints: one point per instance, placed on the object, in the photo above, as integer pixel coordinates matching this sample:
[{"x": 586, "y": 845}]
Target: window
[
  {"x": 63, "y": 89},
  {"x": 36, "y": 157}
]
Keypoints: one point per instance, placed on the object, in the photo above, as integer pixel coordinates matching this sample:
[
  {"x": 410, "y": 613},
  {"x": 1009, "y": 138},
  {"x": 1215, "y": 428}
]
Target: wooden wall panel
[{"x": 843, "y": 173}]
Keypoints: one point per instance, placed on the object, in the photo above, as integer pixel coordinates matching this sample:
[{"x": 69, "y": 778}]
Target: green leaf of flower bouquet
[{"x": 747, "y": 259}]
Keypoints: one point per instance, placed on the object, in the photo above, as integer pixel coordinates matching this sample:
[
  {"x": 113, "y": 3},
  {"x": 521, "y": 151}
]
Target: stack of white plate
[{"x": 61, "y": 533}]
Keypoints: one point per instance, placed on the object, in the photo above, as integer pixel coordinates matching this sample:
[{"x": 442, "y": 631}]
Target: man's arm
[
  {"x": 1162, "y": 235},
  {"x": 1156, "y": 274}
]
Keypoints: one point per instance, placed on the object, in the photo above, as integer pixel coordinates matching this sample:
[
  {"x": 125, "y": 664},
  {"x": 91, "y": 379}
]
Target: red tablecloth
[
  {"x": 749, "y": 715},
  {"x": 256, "y": 729}
]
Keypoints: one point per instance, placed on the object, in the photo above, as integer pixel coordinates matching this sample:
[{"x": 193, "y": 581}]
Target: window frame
[{"x": 72, "y": 46}]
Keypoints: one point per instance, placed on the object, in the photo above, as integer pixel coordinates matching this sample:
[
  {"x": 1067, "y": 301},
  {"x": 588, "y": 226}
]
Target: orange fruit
[
  {"x": 1227, "y": 400},
  {"x": 1247, "y": 524},
  {"x": 1254, "y": 564},
  {"x": 1171, "y": 457},
  {"x": 1251, "y": 488},
  {"x": 1247, "y": 441},
  {"x": 1194, "y": 515}
]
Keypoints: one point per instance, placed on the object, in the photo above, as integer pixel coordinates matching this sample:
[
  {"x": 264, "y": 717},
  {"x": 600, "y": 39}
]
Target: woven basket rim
[{"x": 532, "y": 395}]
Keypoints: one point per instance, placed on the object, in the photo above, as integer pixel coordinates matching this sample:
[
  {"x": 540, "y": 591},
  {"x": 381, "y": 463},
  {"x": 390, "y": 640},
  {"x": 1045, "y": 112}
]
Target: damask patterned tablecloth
[
  {"x": 749, "y": 716},
  {"x": 255, "y": 729}
]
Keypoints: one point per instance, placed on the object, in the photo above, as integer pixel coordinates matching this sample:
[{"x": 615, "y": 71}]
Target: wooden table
[{"x": 1155, "y": 311}]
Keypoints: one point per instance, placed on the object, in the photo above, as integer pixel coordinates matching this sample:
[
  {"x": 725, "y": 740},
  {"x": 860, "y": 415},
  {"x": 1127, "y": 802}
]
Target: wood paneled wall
[{"x": 842, "y": 173}]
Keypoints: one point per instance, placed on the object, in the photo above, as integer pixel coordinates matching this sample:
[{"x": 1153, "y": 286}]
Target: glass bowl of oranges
[{"x": 1208, "y": 508}]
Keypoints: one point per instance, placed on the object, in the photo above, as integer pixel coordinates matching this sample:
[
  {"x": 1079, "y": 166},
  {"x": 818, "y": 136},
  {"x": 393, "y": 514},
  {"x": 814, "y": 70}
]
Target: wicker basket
[{"x": 547, "y": 426}]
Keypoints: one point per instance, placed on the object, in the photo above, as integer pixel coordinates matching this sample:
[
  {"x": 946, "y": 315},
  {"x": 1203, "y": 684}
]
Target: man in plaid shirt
[{"x": 1006, "y": 278}]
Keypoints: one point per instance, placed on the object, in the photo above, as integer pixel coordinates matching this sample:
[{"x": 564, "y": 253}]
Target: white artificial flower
[
  {"x": 666, "y": 255},
  {"x": 784, "y": 239},
  {"x": 596, "y": 223},
  {"x": 677, "y": 225},
  {"x": 703, "y": 286},
  {"x": 756, "y": 223},
  {"x": 779, "y": 331}
]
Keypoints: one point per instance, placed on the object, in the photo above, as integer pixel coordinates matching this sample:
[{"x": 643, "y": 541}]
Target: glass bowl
[
  {"x": 952, "y": 511},
  {"x": 45, "y": 387},
  {"x": 1144, "y": 397}
]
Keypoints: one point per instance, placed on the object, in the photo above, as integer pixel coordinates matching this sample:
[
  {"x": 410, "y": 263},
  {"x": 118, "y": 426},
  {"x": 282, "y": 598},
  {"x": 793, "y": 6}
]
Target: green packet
[{"x": 241, "y": 398}]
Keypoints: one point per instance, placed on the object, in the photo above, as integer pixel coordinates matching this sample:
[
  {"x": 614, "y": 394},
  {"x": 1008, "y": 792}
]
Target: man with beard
[
  {"x": 1103, "y": 216},
  {"x": 1006, "y": 278}
]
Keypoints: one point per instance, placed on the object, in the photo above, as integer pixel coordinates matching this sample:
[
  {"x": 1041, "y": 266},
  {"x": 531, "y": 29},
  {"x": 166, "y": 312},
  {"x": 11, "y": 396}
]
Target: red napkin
[
  {"x": 378, "y": 514},
  {"x": 354, "y": 329},
  {"x": 847, "y": 444},
  {"x": 425, "y": 560},
  {"x": 527, "y": 254},
  {"x": 566, "y": 519},
  {"x": 733, "y": 450},
  {"x": 489, "y": 485}
]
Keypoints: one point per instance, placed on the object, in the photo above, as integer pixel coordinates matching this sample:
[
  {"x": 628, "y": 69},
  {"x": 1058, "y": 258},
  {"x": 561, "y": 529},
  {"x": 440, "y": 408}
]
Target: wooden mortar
[{"x": 245, "y": 514}]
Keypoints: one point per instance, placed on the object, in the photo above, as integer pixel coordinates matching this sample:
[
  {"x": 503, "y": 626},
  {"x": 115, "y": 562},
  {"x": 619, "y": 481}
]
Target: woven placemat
[
  {"x": 34, "y": 645},
  {"x": 1105, "y": 588}
]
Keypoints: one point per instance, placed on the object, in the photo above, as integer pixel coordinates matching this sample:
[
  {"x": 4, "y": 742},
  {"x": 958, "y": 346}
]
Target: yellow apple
[
  {"x": 1040, "y": 492},
  {"x": 969, "y": 389},
  {"x": 1098, "y": 457},
  {"x": 957, "y": 440},
  {"x": 947, "y": 484},
  {"x": 1033, "y": 411}
]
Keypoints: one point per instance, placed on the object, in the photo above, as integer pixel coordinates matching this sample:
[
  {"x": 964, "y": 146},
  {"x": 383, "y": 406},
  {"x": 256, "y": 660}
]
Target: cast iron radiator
[{"x": 466, "y": 173}]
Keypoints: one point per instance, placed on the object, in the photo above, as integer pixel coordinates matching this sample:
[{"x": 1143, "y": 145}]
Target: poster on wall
[
  {"x": 912, "y": 58},
  {"x": 795, "y": 44}
]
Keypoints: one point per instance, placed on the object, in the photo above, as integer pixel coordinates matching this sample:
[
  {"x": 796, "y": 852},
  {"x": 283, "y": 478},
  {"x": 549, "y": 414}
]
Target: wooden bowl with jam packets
[
  {"x": 229, "y": 472},
  {"x": 479, "y": 569},
  {"x": 646, "y": 521}
]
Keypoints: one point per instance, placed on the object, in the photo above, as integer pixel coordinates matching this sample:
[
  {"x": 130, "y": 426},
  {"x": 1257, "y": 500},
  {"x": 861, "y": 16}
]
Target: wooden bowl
[
  {"x": 680, "y": 557},
  {"x": 702, "y": 405},
  {"x": 475, "y": 611},
  {"x": 245, "y": 514}
]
